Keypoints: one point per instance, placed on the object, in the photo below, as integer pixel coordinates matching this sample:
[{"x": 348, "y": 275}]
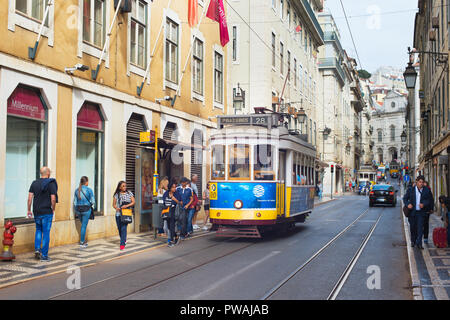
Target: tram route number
[{"x": 213, "y": 191}]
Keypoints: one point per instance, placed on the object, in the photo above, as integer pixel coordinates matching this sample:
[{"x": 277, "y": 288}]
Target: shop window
[
  {"x": 25, "y": 147},
  {"x": 90, "y": 136}
]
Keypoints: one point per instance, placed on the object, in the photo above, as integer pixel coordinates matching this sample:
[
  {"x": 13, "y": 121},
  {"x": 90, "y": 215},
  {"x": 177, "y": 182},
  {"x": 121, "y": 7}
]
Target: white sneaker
[
  {"x": 205, "y": 228},
  {"x": 195, "y": 227}
]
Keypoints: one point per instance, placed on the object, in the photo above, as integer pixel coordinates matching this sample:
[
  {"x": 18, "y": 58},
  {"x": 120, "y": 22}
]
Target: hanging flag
[
  {"x": 298, "y": 29},
  {"x": 216, "y": 12},
  {"x": 193, "y": 13}
]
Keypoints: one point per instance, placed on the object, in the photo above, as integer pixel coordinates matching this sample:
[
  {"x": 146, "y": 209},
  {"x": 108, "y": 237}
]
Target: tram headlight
[
  {"x": 258, "y": 214},
  {"x": 218, "y": 214},
  {"x": 238, "y": 204}
]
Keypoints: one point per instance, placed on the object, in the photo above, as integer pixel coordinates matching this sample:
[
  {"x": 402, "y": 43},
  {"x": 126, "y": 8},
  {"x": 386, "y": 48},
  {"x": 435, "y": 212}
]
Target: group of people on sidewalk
[
  {"x": 181, "y": 204},
  {"x": 181, "y": 200},
  {"x": 420, "y": 202}
]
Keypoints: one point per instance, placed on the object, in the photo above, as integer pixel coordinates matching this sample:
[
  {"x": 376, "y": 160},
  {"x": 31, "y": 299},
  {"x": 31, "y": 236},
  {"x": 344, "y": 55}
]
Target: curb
[
  {"x": 417, "y": 290},
  {"x": 324, "y": 202}
]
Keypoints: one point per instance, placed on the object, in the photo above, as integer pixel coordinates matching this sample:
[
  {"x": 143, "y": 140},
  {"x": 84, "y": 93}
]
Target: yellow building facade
[{"x": 55, "y": 114}]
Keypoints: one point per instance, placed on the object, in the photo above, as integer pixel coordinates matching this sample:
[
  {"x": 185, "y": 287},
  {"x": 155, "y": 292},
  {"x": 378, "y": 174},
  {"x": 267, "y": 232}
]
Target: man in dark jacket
[{"x": 418, "y": 199}]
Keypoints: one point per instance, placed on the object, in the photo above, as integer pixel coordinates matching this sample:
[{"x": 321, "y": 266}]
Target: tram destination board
[{"x": 266, "y": 120}]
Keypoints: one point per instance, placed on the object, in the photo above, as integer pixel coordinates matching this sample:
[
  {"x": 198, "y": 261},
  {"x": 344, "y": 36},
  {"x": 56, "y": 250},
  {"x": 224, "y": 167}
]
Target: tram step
[{"x": 246, "y": 232}]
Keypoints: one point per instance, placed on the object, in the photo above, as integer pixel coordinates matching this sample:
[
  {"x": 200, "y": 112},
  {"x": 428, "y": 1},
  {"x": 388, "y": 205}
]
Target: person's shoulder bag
[
  {"x": 126, "y": 215},
  {"x": 406, "y": 210},
  {"x": 84, "y": 208}
]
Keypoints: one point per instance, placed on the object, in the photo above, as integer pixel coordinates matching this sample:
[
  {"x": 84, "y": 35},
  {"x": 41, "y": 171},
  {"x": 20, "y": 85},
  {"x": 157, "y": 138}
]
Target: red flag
[
  {"x": 193, "y": 13},
  {"x": 216, "y": 12},
  {"x": 298, "y": 29}
]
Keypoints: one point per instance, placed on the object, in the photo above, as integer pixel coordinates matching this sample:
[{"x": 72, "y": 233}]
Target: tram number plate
[{"x": 213, "y": 191}]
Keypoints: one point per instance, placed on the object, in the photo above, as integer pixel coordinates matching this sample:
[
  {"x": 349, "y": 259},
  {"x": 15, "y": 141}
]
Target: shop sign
[
  {"x": 147, "y": 136},
  {"x": 26, "y": 103}
]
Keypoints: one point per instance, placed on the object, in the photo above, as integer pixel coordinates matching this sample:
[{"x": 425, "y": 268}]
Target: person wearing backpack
[
  {"x": 84, "y": 201},
  {"x": 122, "y": 200},
  {"x": 170, "y": 203},
  {"x": 43, "y": 195}
]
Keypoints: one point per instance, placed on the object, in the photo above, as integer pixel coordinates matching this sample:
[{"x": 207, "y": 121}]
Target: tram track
[
  {"x": 344, "y": 276},
  {"x": 137, "y": 271}
]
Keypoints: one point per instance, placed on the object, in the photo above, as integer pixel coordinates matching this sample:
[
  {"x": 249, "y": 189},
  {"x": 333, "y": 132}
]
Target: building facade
[
  {"x": 88, "y": 123},
  {"x": 431, "y": 35},
  {"x": 388, "y": 122}
]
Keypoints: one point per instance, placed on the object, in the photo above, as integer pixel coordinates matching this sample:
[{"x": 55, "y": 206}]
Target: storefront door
[{"x": 144, "y": 170}]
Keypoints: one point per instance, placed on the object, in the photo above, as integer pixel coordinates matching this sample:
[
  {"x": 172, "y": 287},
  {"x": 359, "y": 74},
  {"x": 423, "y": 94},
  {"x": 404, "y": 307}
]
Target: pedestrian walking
[
  {"x": 123, "y": 199},
  {"x": 198, "y": 205},
  {"x": 418, "y": 199},
  {"x": 445, "y": 201},
  {"x": 191, "y": 211},
  {"x": 162, "y": 188},
  {"x": 350, "y": 186},
  {"x": 206, "y": 202},
  {"x": 184, "y": 195},
  {"x": 84, "y": 201},
  {"x": 43, "y": 194},
  {"x": 426, "y": 222},
  {"x": 346, "y": 185},
  {"x": 170, "y": 202}
]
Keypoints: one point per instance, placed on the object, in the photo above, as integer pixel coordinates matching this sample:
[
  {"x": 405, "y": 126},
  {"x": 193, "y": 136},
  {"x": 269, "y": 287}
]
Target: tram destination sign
[{"x": 265, "y": 120}]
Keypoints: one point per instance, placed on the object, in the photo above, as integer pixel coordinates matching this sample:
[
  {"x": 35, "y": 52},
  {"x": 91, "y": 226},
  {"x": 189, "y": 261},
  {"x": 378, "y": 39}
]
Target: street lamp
[
  {"x": 410, "y": 76},
  {"x": 403, "y": 136},
  {"x": 238, "y": 99},
  {"x": 301, "y": 115}
]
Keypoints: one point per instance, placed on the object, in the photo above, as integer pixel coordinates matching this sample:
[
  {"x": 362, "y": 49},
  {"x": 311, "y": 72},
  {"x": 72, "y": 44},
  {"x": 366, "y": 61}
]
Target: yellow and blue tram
[{"x": 262, "y": 176}]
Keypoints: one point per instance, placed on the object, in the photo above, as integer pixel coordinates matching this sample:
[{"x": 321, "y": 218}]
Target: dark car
[
  {"x": 383, "y": 194},
  {"x": 394, "y": 175}
]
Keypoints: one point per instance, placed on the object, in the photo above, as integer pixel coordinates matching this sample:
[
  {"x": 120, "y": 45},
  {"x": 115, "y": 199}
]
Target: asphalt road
[{"x": 240, "y": 269}]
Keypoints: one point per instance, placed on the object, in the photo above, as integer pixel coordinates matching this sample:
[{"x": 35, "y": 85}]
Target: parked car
[{"x": 383, "y": 194}]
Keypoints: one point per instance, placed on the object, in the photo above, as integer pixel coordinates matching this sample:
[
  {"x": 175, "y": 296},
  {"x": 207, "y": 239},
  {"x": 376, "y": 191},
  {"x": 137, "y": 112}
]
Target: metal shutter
[
  {"x": 134, "y": 126},
  {"x": 169, "y": 130},
  {"x": 196, "y": 166}
]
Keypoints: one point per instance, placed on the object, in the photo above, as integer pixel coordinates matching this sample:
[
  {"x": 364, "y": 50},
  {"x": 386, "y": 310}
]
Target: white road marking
[{"x": 235, "y": 274}]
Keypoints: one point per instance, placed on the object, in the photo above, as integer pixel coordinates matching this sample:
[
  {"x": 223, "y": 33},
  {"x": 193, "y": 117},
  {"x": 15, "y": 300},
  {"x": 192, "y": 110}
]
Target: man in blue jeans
[
  {"x": 43, "y": 195},
  {"x": 184, "y": 194}
]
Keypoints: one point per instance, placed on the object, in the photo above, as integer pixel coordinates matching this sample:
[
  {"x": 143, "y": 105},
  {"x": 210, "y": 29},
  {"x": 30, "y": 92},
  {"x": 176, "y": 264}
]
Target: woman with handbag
[
  {"x": 123, "y": 201},
  {"x": 84, "y": 201},
  {"x": 168, "y": 214}
]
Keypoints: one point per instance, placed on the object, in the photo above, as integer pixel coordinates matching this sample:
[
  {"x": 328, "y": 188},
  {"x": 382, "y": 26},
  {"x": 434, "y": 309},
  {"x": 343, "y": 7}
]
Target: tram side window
[
  {"x": 263, "y": 165},
  {"x": 218, "y": 163},
  {"x": 239, "y": 162}
]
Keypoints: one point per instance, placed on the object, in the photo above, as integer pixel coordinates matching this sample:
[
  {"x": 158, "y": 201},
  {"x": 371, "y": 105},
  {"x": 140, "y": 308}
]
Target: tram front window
[
  {"x": 263, "y": 165},
  {"x": 239, "y": 162},
  {"x": 218, "y": 163}
]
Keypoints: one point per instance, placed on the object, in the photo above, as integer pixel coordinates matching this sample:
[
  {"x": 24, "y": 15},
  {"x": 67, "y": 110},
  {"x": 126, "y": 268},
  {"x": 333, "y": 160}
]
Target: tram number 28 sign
[{"x": 213, "y": 191}]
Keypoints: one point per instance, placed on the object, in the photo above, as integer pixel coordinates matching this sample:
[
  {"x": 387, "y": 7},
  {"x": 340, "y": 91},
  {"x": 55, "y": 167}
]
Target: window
[
  {"x": 33, "y": 8},
  {"x": 238, "y": 166},
  {"x": 281, "y": 9},
  {"x": 281, "y": 58},
  {"x": 89, "y": 161},
  {"x": 218, "y": 77},
  {"x": 380, "y": 136},
  {"x": 138, "y": 34},
  {"x": 393, "y": 104},
  {"x": 234, "y": 43},
  {"x": 94, "y": 22},
  {"x": 171, "y": 51},
  {"x": 25, "y": 147},
  {"x": 274, "y": 4},
  {"x": 263, "y": 162},
  {"x": 218, "y": 162},
  {"x": 306, "y": 84},
  {"x": 273, "y": 50},
  {"x": 295, "y": 73},
  {"x": 300, "y": 80},
  {"x": 392, "y": 133},
  {"x": 288, "y": 14},
  {"x": 289, "y": 65},
  {"x": 306, "y": 42},
  {"x": 197, "y": 73}
]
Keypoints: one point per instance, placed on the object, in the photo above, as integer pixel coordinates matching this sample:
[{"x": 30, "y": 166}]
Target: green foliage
[{"x": 363, "y": 74}]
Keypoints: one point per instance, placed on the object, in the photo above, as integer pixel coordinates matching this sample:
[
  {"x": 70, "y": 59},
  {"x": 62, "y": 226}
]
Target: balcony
[
  {"x": 332, "y": 63},
  {"x": 313, "y": 18},
  {"x": 332, "y": 36}
]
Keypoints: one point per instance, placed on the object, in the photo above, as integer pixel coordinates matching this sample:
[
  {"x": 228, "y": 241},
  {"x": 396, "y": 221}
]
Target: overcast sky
[{"x": 382, "y": 30}]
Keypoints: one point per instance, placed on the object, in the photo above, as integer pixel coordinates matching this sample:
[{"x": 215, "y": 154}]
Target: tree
[{"x": 363, "y": 74}]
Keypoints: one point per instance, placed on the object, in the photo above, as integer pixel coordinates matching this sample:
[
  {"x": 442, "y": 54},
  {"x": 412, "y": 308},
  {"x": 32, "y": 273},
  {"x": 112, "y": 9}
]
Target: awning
[{"x": 170, "y": 144}]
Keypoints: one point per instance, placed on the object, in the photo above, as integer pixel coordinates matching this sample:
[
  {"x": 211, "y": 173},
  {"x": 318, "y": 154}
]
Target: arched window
[
  {"x": 380, "y": 136},
  {"x": 393, "y": 104},
  {"x": 90, "y": 146},
  {"x": 392, "y": 133},
  {"x": 26, "y": 127}
]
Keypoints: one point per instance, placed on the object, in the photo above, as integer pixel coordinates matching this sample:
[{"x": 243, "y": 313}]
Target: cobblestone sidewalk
[{"x": 25, "y": 267}]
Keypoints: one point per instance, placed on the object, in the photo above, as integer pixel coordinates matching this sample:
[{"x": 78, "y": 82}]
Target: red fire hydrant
[{"x": 8, "y": 242}]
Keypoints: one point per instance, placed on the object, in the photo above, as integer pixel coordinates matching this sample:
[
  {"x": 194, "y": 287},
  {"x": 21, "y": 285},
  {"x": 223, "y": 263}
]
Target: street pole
[{"x": 331, "y": 195}]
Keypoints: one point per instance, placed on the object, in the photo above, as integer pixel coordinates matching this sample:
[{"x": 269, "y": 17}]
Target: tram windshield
[
  {"x": 239, "y": 162},
  {"x": 263, "y": 162},
  {"x": 218, "y": 162}
]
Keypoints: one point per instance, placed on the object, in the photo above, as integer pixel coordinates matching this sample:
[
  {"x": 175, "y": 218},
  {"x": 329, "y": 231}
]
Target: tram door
[{"x": 281, "y": 188}]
